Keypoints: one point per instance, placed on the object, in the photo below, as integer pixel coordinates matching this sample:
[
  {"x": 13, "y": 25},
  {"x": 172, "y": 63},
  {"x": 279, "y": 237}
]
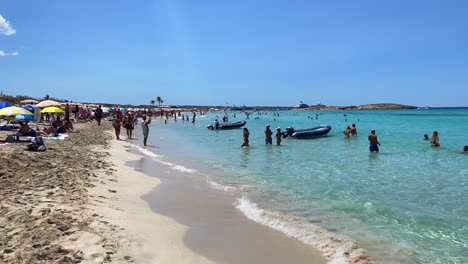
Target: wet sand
[{"x": 216, "y": 229}]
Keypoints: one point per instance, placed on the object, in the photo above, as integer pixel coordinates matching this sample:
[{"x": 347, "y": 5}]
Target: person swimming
[
  {"x": 426, "y": 137},
  {"x": 465, "y": 148}
]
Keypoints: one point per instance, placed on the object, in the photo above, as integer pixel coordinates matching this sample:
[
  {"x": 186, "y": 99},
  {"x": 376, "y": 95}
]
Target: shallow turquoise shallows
[{"x": 409, "y": 203}]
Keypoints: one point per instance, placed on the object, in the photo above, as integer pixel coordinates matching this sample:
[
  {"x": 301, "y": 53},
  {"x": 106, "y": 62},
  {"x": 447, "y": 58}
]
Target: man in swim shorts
[
  {"x": 145, "y": 128},
  {"x": 373, "y": 142}
]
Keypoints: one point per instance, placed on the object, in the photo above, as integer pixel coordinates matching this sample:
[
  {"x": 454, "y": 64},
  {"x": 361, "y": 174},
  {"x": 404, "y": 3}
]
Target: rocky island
[{"x": 359, "y": 107}]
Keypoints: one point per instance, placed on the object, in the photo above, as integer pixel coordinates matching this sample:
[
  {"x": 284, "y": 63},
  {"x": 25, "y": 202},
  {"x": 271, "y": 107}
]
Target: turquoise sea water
[{"x": 408, "y": 203}]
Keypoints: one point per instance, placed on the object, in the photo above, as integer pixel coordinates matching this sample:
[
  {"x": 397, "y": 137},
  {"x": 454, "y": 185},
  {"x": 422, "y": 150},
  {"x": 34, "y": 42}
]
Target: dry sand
[{"x": 43, "y": 196}]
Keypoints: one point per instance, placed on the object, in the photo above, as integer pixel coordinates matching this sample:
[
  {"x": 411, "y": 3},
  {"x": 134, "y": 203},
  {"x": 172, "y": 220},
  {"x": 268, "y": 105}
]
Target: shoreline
[
  {"x": 333, "y": 247},
  {"x": 216, "y": 229}
]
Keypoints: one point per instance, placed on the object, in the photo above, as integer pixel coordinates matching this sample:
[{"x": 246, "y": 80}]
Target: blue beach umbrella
[
  {"x": 4, "y": 104},
  {"x": 29, "y": 107}
]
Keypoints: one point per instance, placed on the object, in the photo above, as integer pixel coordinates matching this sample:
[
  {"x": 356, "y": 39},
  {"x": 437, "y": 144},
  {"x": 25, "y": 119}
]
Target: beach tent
[
  {"x": 47, "y": 103},
  {"x": 52, "y": 109},
  {"x": 4, "y": 104},
  {"x": 13, "y": 110},
  {"x": 29, "y": 101}
]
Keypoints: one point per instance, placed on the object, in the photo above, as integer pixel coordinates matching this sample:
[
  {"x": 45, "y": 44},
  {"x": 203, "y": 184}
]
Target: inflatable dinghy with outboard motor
[
  {"x": 228, "y": 125},
  {"x": 307, "y": 133}
]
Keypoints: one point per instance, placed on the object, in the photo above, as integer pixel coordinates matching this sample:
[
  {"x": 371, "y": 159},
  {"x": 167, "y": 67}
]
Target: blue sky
[{"x": 215, "y": 52}]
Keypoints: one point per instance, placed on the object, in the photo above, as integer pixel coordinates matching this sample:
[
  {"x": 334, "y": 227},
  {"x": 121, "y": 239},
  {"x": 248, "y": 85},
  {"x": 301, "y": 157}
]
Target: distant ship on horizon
[{"x": 303, "y": 105}]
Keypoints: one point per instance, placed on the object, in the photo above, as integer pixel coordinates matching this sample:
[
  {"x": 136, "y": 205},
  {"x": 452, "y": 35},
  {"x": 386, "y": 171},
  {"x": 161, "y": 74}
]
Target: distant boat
[
  {"x": 302, "y": 105},
  {"x": 424, "y": 108},
  {"x": 237, "y": 124}
]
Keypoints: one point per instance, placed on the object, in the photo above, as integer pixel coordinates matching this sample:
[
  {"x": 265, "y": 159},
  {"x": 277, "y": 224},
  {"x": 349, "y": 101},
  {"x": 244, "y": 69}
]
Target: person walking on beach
[
  {"x": 98, "y": 115},
  {"x": 128, "y": 124},
  {"x": 373, "y": 142},
  {"x": 145, "y": 128},
  {"x": 246, "y": 135},
  {"x": 116, "y": 123},
  {"x": 268, "y": 133},
  {"x": 278, "y": 136},
  {"x": 435, "y": 139}
]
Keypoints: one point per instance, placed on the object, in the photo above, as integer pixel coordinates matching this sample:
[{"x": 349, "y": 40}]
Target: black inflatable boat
[
  {"x": 307, "y": 133},
  {"x": 228, "y": 125}
]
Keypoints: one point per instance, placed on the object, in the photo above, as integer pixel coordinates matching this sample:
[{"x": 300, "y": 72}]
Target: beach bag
[
  {"x": 37, "y": 144},
  {"x": 10, "y": 138}
]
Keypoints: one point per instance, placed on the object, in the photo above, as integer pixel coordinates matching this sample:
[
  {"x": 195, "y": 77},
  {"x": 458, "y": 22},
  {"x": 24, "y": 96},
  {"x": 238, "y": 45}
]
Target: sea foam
[{"x": 337, "y": 249}]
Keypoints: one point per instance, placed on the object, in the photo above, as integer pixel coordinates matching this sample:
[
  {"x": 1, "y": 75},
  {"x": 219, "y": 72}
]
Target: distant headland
[{"x": 359, "y": 107}]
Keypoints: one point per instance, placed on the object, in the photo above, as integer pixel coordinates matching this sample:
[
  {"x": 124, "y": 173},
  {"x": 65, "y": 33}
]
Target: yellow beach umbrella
[
  {"x": 52, "y": 109},
  {"x": 47, "y": 103},
  {"x": 13, "y": 110}
]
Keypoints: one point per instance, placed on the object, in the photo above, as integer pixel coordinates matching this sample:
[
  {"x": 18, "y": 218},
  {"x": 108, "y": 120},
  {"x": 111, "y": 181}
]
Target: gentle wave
[
  {"x": 218, "y": 186},
  {"x": 159, "y": 159},
  {"x": 337, "y": 249}
]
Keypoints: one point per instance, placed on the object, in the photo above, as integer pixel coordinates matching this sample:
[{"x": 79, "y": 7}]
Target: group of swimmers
[
  {"x": 434, "y": 139},
  {"x": 268, "y": 136}
]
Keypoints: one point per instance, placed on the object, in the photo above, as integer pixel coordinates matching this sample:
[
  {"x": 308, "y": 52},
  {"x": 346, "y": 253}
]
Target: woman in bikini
[{"x": 116, "y": 123}]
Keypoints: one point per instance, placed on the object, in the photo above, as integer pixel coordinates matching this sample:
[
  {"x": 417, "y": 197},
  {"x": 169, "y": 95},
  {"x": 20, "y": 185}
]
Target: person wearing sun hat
[
  {"x": 278, "y": 136},
  {"x": 268, "y": 133}
]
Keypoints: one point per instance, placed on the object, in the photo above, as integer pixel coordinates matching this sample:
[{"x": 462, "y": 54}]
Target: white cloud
[
  {"x": 3, "y": 54},
  {"x": 5, "y": 27}
]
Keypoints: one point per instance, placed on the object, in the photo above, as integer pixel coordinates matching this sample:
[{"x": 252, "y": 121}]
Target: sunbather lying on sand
[{"x": 25, "y": 130}]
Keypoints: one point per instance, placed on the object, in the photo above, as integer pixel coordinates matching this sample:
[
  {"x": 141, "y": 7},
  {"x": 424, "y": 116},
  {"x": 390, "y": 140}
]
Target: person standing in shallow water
[
  {"x": 373, "y": 142},
  {"x": 435, "y": 139},
  {"x": 268, "y": 133},
  {"x": 145, "y": 128},
  {"x": 246, "y": 135},
  {"x": 278, "y": 136},
  {"x": 353, "y": 130}
]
